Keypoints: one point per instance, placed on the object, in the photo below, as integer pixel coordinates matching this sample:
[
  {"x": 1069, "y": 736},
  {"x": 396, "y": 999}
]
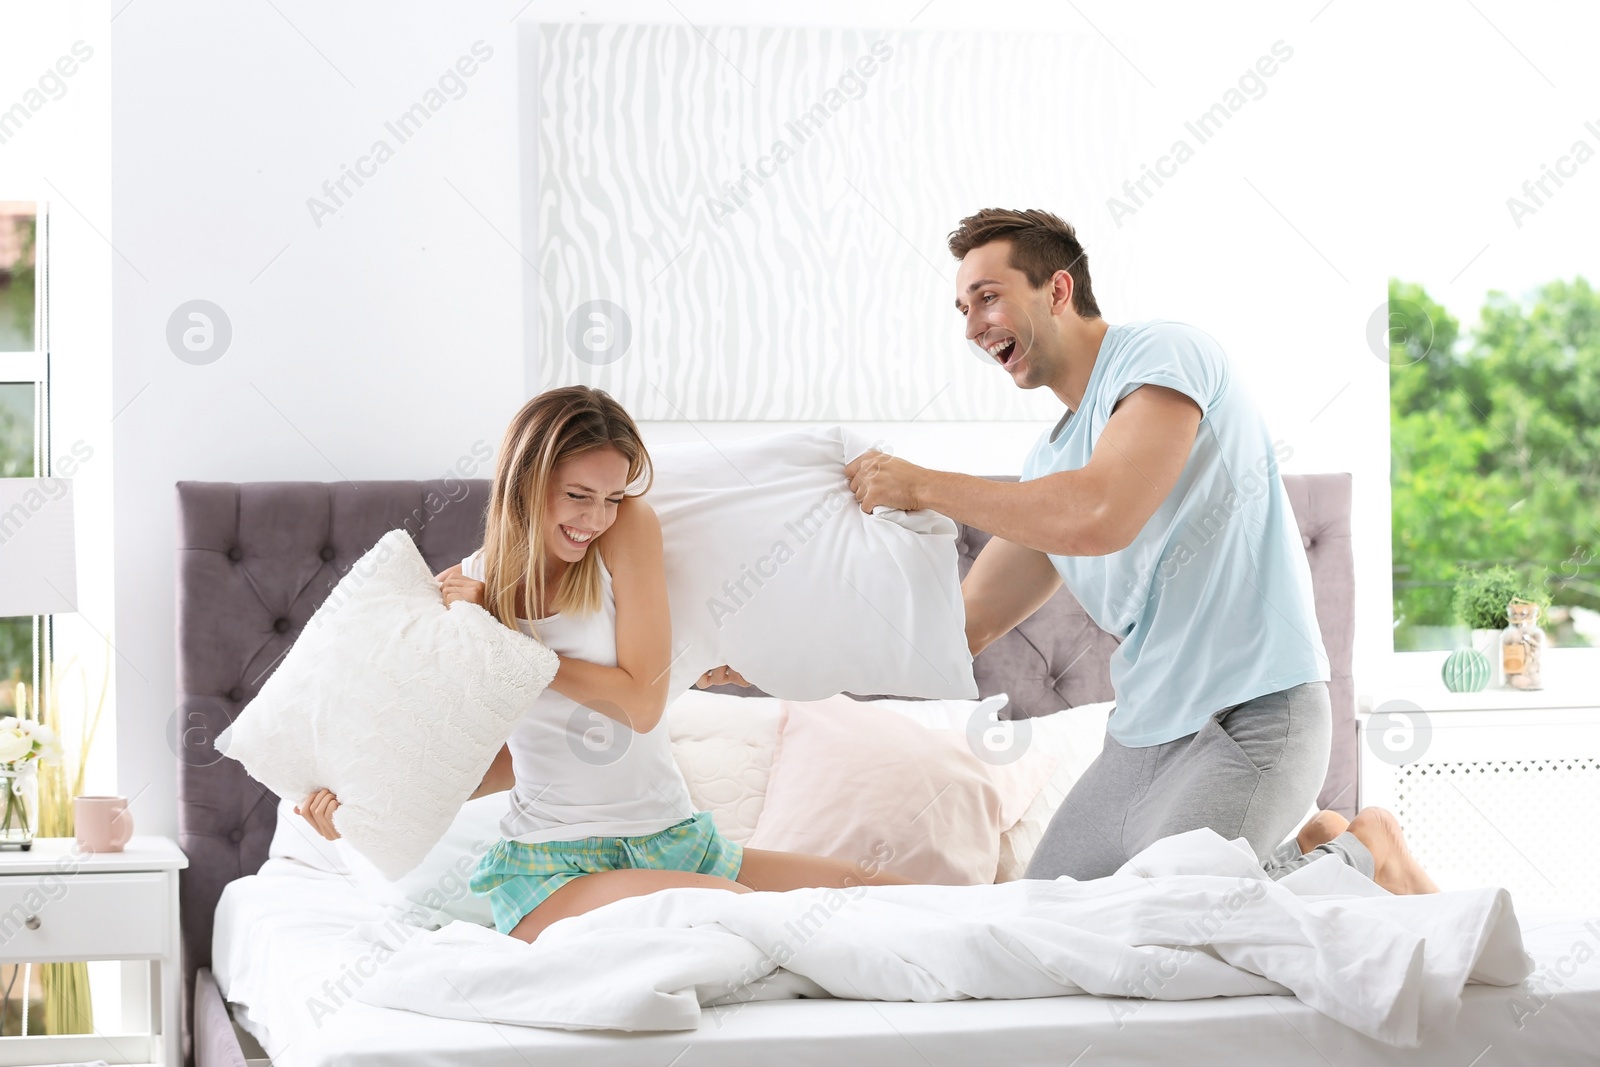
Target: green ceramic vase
[{"x": 1466, "y": 671}]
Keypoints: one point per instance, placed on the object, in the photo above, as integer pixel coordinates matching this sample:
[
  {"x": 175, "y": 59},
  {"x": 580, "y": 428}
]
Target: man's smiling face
[{"x": 1006, "y": 316}]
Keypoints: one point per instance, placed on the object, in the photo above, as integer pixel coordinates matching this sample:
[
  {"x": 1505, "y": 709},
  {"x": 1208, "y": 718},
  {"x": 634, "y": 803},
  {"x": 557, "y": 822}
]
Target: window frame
[{"x": 33, "y": 368}]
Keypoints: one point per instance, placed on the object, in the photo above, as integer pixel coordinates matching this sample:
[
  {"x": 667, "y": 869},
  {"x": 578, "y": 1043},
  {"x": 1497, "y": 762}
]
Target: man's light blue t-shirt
[{"x": 1212, "y": 600}]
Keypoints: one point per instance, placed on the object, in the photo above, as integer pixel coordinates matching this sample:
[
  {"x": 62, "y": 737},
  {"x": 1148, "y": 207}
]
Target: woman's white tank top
[{"x": 580, "y": 773}]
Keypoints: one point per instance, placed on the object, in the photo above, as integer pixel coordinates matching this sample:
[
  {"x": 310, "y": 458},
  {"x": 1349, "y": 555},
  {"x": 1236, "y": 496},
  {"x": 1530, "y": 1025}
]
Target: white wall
[
  {"x": 1506, "y": 94},
  {"x": 383, "y": 343}
]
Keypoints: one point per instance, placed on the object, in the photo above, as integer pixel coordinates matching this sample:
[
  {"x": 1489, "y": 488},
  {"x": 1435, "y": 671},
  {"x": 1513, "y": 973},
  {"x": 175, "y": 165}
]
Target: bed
[{"x": 255, "y": 560}]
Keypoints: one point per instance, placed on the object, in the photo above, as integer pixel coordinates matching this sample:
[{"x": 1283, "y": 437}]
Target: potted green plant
[{"x": 1480, "y": 605}]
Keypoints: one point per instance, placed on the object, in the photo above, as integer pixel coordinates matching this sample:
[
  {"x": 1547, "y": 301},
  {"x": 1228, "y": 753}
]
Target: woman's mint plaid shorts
[{"x": 517, "y": 877}]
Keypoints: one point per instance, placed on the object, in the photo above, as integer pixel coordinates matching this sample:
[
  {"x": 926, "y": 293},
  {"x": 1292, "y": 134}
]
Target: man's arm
[
  {"x": 1007, "y": 583},
  {"x": 1093, "y": 511}
]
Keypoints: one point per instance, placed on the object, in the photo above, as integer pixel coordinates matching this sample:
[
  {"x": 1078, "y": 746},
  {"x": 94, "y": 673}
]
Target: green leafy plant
[{"x": 1481, "y": 597}]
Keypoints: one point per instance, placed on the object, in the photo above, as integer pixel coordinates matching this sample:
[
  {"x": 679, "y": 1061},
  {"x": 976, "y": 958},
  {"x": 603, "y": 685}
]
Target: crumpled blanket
[{"x": 1192, "y": 916}]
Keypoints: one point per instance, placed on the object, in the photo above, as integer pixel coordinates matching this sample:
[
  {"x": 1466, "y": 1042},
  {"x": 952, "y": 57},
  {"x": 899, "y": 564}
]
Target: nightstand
[
  {"x": 59, "y": 905},
  {"x": 1492, "y": 788}
]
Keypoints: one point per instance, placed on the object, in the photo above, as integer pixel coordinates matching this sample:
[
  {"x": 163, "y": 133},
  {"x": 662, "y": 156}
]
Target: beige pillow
[{"x": 861, "y": 783}]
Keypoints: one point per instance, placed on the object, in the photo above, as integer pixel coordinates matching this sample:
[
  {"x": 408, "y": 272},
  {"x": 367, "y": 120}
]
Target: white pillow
[
  {"x": 435, "y": 891},
  {"x": 1074, "y": 737},
  {"x": 956, "y": 715},
  {"x": 723, "y": 744},
  {"x": 294, "y": 839},
  {"x": 773, "y": 569},
  {"x": 394, "y": 702}
]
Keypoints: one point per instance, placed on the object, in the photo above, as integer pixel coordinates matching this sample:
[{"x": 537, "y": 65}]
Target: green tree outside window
[{"x": 1495, "y": 454}]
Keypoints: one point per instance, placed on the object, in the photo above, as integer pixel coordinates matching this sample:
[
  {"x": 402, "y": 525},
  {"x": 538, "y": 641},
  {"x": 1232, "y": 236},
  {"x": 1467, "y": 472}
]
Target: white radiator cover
[
  {"x": 1517, "y": 823},
  {"x": 1491, "y": 794}
]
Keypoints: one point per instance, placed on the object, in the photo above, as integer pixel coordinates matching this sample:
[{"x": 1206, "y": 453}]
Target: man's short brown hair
[{"x": 1041, "y": 244}]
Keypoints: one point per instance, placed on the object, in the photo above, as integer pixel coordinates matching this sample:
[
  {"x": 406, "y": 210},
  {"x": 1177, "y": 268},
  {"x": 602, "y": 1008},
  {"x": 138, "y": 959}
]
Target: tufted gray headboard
[{"x": 256, "y": 559}]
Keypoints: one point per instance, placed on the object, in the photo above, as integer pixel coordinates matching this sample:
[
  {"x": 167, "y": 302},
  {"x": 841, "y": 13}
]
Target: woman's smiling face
[{"x": 582, "y": 502}]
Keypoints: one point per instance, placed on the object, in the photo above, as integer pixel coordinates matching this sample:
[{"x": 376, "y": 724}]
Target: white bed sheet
[{"x": 276, "y": 960}]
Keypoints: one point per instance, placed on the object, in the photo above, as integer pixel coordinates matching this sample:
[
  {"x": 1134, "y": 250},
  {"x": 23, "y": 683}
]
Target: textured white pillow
[
  {"x": 773, "y": 569},
  {"x": 394, "y": 702},
  {"x": 294, "y": 839},
  {"x": 435, "y": 891},
  {"x": 723, "y": 745}
]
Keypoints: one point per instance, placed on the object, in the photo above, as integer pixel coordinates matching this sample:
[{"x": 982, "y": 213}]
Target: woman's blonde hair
[{"x": 556, "y": 425}]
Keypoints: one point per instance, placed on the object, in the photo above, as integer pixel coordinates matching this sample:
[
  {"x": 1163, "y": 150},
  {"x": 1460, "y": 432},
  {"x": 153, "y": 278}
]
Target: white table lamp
[{"x": 38, "y": 550}]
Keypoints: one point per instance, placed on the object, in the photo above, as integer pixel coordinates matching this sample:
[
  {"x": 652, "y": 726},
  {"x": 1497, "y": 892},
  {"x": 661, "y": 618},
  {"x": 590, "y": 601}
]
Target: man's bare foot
[
  {"x": 1394, "y": 867},
  {"x": 1321, "y": 828}
]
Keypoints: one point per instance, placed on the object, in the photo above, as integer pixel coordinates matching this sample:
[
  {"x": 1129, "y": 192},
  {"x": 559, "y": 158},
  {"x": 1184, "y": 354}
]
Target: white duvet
[{"x": 1191, "y": 917}]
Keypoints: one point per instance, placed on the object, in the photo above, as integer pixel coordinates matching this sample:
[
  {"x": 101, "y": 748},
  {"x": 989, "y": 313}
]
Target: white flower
[
  {"x": 14, "y": 744},
  {"x": 24, "y": 739},
  {"x": 49, "y": 745}
]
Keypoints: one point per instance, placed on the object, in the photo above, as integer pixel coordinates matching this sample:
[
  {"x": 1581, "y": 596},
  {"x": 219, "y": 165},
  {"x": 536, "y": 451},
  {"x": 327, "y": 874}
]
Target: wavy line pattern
[{"x": 773, "y": 223}]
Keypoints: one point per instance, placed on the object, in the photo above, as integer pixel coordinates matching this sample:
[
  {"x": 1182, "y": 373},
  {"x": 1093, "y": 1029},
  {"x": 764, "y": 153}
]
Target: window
[
  {"x": 1495, "y": 458},
  {"x": 23, "y": 391}
]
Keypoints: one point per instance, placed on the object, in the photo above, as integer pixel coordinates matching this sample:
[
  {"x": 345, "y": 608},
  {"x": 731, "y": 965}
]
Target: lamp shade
[{"x": 38, "y": 552}]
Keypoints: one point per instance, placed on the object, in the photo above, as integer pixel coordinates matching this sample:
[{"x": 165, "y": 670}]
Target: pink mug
[{"x": 104, "y": 823}]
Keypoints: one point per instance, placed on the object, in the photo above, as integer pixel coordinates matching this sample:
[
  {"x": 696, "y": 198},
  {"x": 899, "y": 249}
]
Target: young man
[{"x": 1157, "y": 499}]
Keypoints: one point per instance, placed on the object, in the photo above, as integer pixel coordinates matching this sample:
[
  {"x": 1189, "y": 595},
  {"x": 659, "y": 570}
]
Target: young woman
[{"x": 599, "y": 810}]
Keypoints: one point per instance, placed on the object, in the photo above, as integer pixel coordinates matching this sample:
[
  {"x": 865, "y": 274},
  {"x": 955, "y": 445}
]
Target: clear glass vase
[
  {"x": 19, "y": 785},
  {"x": 1522, "y": 646}
]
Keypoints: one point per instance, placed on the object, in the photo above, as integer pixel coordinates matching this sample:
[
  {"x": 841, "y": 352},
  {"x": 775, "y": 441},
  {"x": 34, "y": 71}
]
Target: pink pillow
[{"x": 860, "y": 783}]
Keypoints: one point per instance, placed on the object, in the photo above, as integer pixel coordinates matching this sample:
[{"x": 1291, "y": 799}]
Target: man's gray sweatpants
[{"x": 1251, "y": 771}]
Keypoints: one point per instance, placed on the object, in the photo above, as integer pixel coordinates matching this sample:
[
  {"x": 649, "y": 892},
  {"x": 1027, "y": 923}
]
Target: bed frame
[{"x": 256, "y": 559}]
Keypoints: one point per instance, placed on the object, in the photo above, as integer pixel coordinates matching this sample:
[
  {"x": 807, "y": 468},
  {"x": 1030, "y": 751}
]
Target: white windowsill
[{"x": 1571, "y": 679}]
